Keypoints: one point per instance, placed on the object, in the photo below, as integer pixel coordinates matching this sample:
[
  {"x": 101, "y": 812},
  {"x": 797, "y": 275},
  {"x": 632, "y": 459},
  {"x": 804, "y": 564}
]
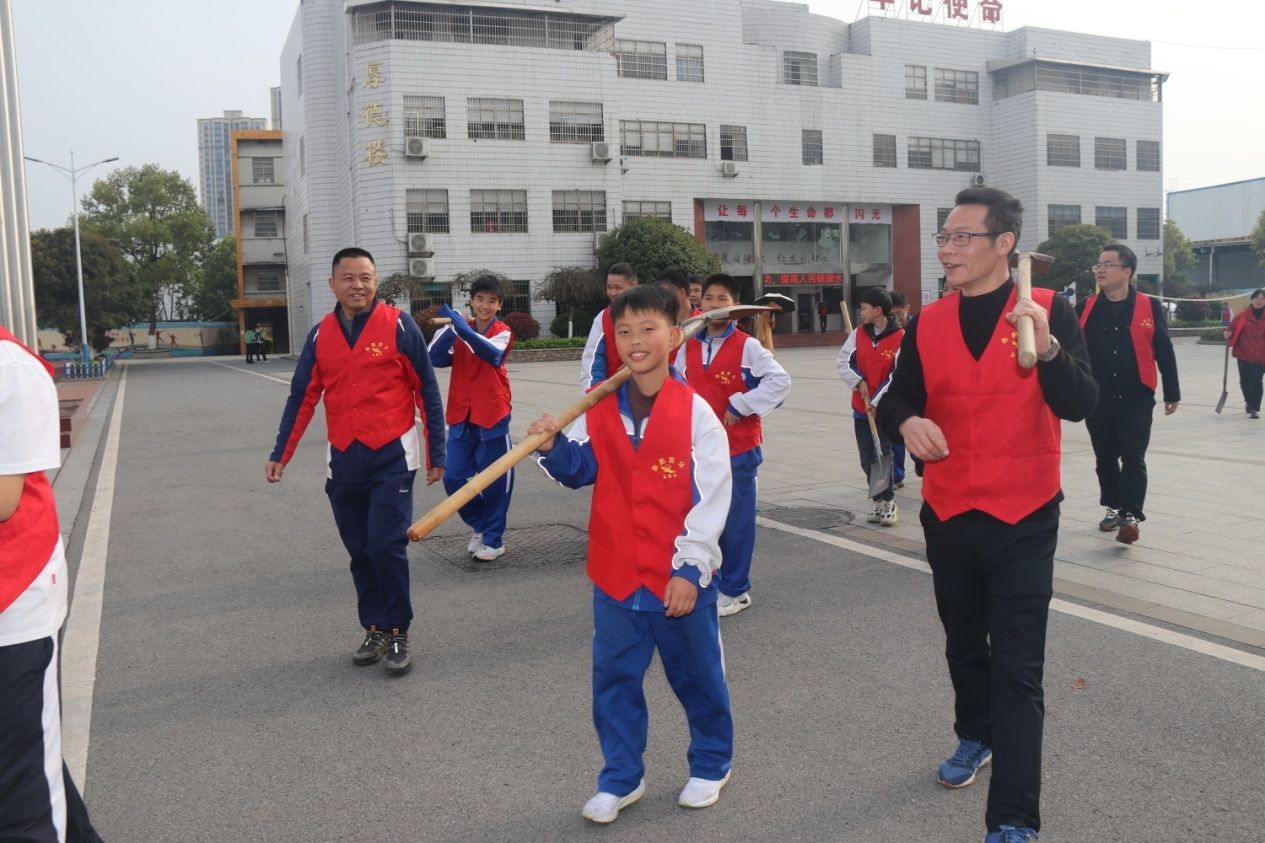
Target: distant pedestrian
[
  {"x": 248, "y": 340},
  {"x": 822, "y": 312},
  {"x": 1246, "y": 335},
  {"x": 261, "y": 344}
]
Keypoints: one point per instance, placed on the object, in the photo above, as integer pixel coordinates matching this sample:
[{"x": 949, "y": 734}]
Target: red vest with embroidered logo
[
  {"x": 875, "y": 360},
  {"x": 1004, "y": 441},
  {"x": 370, "y": 388},
  {"x": 720, "y": 380},
  {"x": 478, "y": 391},
  {"x": 642, "y": 495},
  {"x": 613, "y": 363},
  {"x": 1141, "y": 331},
  {"x": 28, "y": 537}
]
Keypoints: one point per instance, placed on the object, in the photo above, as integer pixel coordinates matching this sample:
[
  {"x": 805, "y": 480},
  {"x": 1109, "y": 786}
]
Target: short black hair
[
  {"x": 650, "y": 298},
  {"x": 696, "y": 279},
  {"x": 899, "y": 299},
  {"x": 1260, "y": 291},
  {"x": 726, "y": 281},
  {"x": 1127, "y": 257},
  {"x": 675, "y": 277},
  {"x": 350, "y": 252},
  {"x": 1005, "y": 212},
  {"x": 623, "y": 270},
  {"x": 877, "y": 297},
  {"x": 486, "y": 284}
]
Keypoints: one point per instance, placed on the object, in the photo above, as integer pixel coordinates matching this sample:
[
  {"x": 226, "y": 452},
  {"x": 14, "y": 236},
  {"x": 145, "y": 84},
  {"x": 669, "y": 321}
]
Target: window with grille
[
  {"x": 799, "y": 68},
  {"x": 733, "y": 143},
  {"x": 1063, "y": 150},
  {"x": 884, "y": 150},
  {"x": 637, "y": 208},
  {"x": 498, "y": 211},
  {"x": 414, "y": 21},
  {"x": 943, "y": 154},
  {"x": 575, "y": 122},
  {"x": 1110, "y": 154},
  {"x": 1148, "y": 223},
  {"x": 516, "y": 296},
  {"x": 261, "y": 171},
  {"x": 689, "y": 63},
  {"x": 957, "y": 86},
  {"x": 267, "y": 281},
  {"x": 1148, "y": 156},
  {"x": 915, "y": 82},
  {"x": 942, "y": 216},
  {"x": 653, "y": 139},
  {"x": 426, "y": 211},
  {"x": 266, "y": 224},
  {"x": 810, "y": 146},
  {"x": 495, "y": 119},
  {"x": 424, "y": 117},
  {"x": 1061, "y": 216},
  {"x": 1115, "y": 220},
  {"x": 641, "y": 59},
  {"x": 579, "y": 210}
]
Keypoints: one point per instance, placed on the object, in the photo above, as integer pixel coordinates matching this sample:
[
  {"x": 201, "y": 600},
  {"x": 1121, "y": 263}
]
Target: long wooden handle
[
  {"x": 869, "y": 414},
  {"x": 1027, "y": 333},
  {"x": 847, "y": 317}
]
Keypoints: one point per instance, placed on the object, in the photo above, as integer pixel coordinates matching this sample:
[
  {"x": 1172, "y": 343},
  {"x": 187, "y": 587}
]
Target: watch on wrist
[{"x": 1051, "y": 352}]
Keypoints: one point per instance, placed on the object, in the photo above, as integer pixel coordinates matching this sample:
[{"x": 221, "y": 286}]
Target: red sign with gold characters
[{"x": 788, "y": 278}]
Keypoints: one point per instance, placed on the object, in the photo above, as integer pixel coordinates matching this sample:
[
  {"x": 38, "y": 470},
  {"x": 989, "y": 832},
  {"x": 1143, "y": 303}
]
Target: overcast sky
[{"x": 131, "y": 77}]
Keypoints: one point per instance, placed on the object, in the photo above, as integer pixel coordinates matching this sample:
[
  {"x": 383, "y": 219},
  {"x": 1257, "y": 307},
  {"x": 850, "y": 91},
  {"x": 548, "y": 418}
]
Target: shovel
[
  {"x": 880, "y": 469},
  {"x": 1225, "y": 379}
]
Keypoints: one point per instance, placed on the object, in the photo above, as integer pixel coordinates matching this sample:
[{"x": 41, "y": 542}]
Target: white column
[{"x": 17, "y": 295}]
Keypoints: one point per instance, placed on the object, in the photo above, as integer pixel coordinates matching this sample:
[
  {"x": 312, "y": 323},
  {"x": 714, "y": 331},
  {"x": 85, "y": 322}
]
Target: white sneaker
[
  {"x": 476, "y": 542},
  {"x": 888, "y": 516},
  {"x": 487, "y": 554},
  {"x": 699, "y": 793},
  {"x": 726, "y": 605},
  {"x": 605, "y": 807},
  {"x": 876, "y": 514}
]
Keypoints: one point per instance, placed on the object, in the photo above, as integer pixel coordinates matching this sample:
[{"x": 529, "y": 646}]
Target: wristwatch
[{"x": 1051, "y": 352}]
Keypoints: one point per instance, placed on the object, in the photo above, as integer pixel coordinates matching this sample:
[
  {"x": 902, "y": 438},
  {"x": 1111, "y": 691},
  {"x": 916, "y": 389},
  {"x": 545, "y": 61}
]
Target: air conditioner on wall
[
  {"x": 729, "y": 169},
  {"x": 419, "y": 244},
  {"x": 978, "y": 180},
  {"x": 421, "y": 268},
  {"x": 416, "y": 148},
  {"x": 600, "y": 151}
]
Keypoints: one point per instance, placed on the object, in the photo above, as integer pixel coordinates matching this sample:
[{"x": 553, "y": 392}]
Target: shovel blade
[
  {"x": 880, "y": 475},
  {"x": 1221, "y": 401}
]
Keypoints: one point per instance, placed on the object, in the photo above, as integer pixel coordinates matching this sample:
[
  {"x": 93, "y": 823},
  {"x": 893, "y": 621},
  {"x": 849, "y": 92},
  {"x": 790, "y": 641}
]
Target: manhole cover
[
  {"x": 539, "y": 546},
  {"x": 808, "y": 518}
]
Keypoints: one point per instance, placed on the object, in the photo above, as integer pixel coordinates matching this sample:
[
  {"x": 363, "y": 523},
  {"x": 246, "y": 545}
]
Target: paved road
[{"x": 226, "y": 706}]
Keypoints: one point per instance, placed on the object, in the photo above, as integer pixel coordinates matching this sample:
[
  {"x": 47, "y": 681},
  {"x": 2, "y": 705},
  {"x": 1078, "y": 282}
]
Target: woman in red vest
[{"x": 1246, "y": 335}]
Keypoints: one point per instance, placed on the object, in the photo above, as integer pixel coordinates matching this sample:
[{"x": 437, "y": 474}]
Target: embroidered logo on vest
[
  {"x": 887, "y": 354},
  {"x": 1012, "y": 340},
  {"x": 668, "y": 467},
  {"x": 726, "y": 377},
  {"x": 1147, "y": 324},
  {"x": 377, "y": 349}
]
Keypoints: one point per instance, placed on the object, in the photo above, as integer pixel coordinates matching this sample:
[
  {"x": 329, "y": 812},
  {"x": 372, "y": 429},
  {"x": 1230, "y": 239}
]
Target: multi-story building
[
  {"x": 814, "y": 156},
  {"x": 215, "y": 165},
  {"x": 259, "y": 226},
  {"x": 1219, "y": 220}
]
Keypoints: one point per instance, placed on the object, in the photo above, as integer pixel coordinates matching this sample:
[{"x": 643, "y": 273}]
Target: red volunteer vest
[
  {"x": 477, "y": 391},
  {"x": 1247, "y": 336},
  {"x": 29, "y": 537},
  {"x": 655, "y": 481},
  {"x": 720, "y": 380},
  {"x": 613, "y": 363},
  {"x": 1004, "y": 442},
  {"x": 1141, "y": 331},
  {"x": 876, "y": 361},
  {"x": 371, "y": 388}
]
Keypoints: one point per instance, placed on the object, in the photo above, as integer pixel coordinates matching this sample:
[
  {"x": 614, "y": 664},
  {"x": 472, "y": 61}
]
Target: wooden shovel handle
[{"x": 1027, "y": 333}]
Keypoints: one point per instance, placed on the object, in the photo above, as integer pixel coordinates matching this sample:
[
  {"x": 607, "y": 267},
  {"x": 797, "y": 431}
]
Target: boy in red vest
[
  {"x": 741, "y": 381},
  {"x": 868, "y": 355},
  {"x": 38, "y": 799},
  {"x": 368, "y": 361},
  {"x": 989, "y": 433},
  {"x": 1127, "y": 341},
  {"x": 478, "y": 411},
  {"x": 655, "y": 448},
  {"x": 599, "y": 360}
]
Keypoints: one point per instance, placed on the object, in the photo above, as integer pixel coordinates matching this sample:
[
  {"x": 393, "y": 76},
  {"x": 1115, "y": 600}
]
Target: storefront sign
[
  {"x": 873, "y": 214},
  {"x": 771, "y": 211},
  {"x": 728, "y": 210},
  {"x": 788, "y": 278}
]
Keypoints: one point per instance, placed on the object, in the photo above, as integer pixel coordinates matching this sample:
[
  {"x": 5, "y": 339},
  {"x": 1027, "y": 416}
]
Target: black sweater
[{"x": 1111, "y": 354}]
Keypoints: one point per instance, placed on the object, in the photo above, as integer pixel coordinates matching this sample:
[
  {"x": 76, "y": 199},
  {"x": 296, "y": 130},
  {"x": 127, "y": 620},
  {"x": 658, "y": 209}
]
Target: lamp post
[{"x": 85, "y": 351}]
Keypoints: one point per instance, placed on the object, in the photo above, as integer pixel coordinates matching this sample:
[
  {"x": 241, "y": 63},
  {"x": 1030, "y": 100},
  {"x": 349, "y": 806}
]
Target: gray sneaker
[
  {"x": 372, "y": 649},
  {"x": 1110, "y": 521},
  {"x": 399, "y": 660}
]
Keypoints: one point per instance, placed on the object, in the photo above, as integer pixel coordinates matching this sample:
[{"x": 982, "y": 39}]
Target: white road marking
[
  {"x": 1146, "y": 630},
  {"x": 276, "y": 378}
]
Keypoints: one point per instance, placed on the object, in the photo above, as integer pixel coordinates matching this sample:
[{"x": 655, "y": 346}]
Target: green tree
[
  {"x": 1257, "y": 238},
  {"x": 399, "y": 286},
  {"x": 216, "y": 285},
  {"x": 577, "y": 292},
  {"x": 1075, "y": 249},
  {"x": 1178, "y": 257},
  {"x": 152, "y": 217},
  {"x": 110, "y": 298},
  {"x": 651, "y": 245}
]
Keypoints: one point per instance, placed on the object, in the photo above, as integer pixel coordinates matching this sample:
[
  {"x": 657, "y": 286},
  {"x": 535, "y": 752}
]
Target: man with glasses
[
  {"x": 1124, "y": 330},
  {"x": 988, "y": 432}
]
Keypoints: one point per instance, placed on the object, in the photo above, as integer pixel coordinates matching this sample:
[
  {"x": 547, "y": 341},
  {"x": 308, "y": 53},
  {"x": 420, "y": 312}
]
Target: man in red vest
[
  {"x": 599, "y": 359},
  {"x": 988, "y": 431},
  {"x": 38, "y": 799},
  {"x": 1124, "y": 330},
  {"x": 368, "y": 361},
  {"x": 1246, "y": 335}
]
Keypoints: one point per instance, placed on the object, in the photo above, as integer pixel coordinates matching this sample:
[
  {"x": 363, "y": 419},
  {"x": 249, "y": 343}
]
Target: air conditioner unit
[
  {"x": 420, "y": 244},
  {"x": 601, "y": 151},
  {"x": 421, "y": 267},
  {"x": 599, "y": 238},
  {"x": 978, "y": 180},
  {"x": 416, "y": 148},
  {"x": 729, "y": 169}
]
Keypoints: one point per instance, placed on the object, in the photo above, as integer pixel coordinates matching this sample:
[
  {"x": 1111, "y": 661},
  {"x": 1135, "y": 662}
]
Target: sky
[{"x": 130, "y": 78}]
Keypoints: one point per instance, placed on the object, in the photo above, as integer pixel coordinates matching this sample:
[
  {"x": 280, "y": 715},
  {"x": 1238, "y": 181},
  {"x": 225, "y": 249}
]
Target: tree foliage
[
  {"x": 216, "y": 285},
  {"x": 1075, "y": 249},
  {"x": 573, "y": 289},
  {"x": 1178, "y": 257},
  {"x": 1257, "y": 238},
  {"x": 110, "y": 295},
  {"x": 651, "y": 245},
  {"x": 400, "y": 286}
]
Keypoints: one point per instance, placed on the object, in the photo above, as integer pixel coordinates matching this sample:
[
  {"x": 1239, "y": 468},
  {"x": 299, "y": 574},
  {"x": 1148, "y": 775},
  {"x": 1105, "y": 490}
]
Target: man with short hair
[{"x": 1124, "y": 330}]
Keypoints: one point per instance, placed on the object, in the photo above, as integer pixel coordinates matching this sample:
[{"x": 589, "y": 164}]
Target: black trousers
[
  {"x": 993, "y": 583},
  {"x": 1250, "y": 378},
  {"x": 1120, "y": 431}
]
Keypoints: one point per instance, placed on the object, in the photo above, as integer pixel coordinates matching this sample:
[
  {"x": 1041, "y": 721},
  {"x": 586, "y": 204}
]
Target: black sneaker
[
  {"x": 1111, "y": 521},
  {"x": 372, "y": 649},
  {"x": 399, "y": 661}
]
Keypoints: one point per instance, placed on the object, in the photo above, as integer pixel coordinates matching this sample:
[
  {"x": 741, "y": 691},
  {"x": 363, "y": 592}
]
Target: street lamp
[{"x": 73, "y": 174}]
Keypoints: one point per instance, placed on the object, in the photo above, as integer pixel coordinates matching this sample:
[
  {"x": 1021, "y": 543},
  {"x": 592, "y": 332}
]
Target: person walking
[
  {"x": 1246, "y": 335},
  {"x": 248, "y": 340}
]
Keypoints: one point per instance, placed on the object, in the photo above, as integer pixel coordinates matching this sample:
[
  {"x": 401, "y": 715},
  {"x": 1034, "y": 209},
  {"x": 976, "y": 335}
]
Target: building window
[
  {"x": 495, "y": 119},
  {"x": 915, "y": 82},
  {"x": 1109, "y": 154},
  {"x": 884, "y": 150},
  {"x": 943, "y": 154},
  {"x": 1115, "y": 220},
  {"x": 957, "y": 86},
  {"x": 799, "y": 68},
  {"x": 810, "y": 146},
  {"x": 1063, "y": 150},
  {"x": 1061, "y": 216},
  {"x": 306, "y": 246},
  {"x": 426, "y": 211},
  {"x": 733, "y": 143},
  {"x": 448, "y": 23},
  {"x": 424, "y": 117},
  {"x": 942, "y": 216},
  {"x": 1148, "y": 223},
  {"x": 653, "y": 139},
  {"x": 498, "y": 211},
  {"x": 689, "y": 63},
  {"x": 637, "y": 208},
  {"x": 516, "y": 297},
  {"x": 267, "y": 281},
  {"x": 266, "y": 224},
  {"x": 1148, "y": 156},
  {"x": 1069, "y": 79},
  {"x": 579, "y": 210},
  {"x": 261, "y": 171},
  {"x": 575, "y": 122},
  {"x": 641, "y": 59}
]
